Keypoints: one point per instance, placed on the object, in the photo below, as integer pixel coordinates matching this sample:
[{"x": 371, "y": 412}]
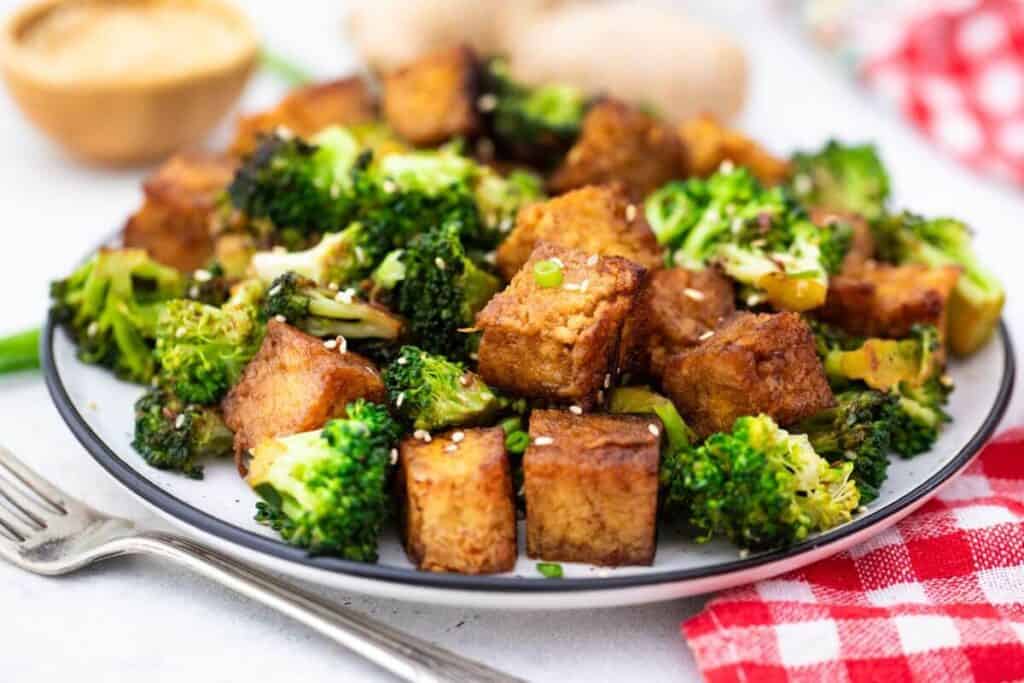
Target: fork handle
[{"x": 405, "y": 656}]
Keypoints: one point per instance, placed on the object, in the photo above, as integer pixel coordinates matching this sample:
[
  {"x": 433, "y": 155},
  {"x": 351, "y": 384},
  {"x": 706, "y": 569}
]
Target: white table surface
[{"x": 145, "y": 620}]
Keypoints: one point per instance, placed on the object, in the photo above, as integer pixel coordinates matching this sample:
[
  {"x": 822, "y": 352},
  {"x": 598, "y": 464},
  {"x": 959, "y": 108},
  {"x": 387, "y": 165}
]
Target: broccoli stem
[
  {"x": 19, "y": 351},
  {"x": 292, "y": 74}
]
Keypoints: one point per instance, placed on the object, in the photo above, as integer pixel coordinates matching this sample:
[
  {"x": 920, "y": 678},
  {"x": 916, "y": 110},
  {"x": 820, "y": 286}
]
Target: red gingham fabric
[{"x": 938, "y": 597}]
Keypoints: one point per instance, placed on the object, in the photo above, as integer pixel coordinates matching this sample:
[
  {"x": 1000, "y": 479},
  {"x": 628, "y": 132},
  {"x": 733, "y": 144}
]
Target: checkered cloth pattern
[{"x": 938, "y": 597}]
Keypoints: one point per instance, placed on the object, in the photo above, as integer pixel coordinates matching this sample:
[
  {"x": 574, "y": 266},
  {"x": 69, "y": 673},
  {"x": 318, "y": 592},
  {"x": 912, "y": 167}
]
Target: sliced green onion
[
  {"x": 511, "y": 424},
  {"x": 547, "y": 273},
  {"x": 290, "y": 73},
  {"x": 550, "y": 570},
  {"x": 516, "y": 442},
  {"x": 19, "y": 351},
  {"x": 803, "y": 274}
]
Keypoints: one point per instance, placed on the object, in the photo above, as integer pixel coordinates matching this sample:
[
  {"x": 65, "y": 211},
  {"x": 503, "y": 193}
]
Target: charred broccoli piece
[
  {"x": 977, "y": 300},
  {"x": 209, "y": 286},
  {"x": 323, "y": 312},
  {"x": 432, "y": 392},
  {"x": 110, "y": 307},
  {"x": 759, "y": 486},
  {"x": 840, "y": 177},
  {"x": 919, "y": 415},
  {"x": 172, "y": 435},
  {"x": 326, "y": 490}
]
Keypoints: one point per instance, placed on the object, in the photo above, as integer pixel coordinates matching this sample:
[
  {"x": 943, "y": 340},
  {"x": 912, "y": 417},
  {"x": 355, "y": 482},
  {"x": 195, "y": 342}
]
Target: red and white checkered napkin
[{"x": 939, "y": 597}]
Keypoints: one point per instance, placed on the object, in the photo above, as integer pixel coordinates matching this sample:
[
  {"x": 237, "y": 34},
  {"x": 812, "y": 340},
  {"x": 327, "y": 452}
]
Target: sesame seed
[
  {"x": 180, "y": 332},
  {"x": 694, "y": 294},
  {"x": 744, "y": 553},
  {"x": 486, "y": 396},
  {"x": 491, "y": 257},
  {"x": 476, "y": 356},
  {"x": 753, "y": 300},
  {"x": 607, "y": 380},
  {"x": 653, "y": 429},
  {"x": 543, "y": 441},
  {"x": 280, "y": 318},
  {"x": 402, "y": 360},
  {"x": 439, "y": 262},
  {"x": 584, "y": 285},
  {"x": 631, "y": 213},
  {"x": 335, "y": 191},
  {"x": 571, "y": 287},
  {"x": 333, "y": 286},
  {"x": 342, "y": 345},
  {"x": 802, "y": 184},
  {"x": 202, "y": 275},
  {"x": 422, "y": 435},
  {"x": 451, "y": 448},
  {"x": 736, "y": 226},
  {"x": 360, "y": 255},
  {"x": 487, "y": 102},
  {"x": 465, "y": 380},
  {"x": 458, "y": 436},
  {"x": 726, "y": 166},
  {"x": 506, "y": 224},
  {"x": 179, "y": 421},
  {"x": 592, "y": 260},
  {"x": 557, "y": 261},
  {"x": 707, "y": 335},
  {"x": 193, "y": 292},
  {"x": 285, "y": 132},
  {"x": 400, "y": 400},
  {"x": 393, "y": 455},
  {"x": 575, "y": 156},
  {"x": 345, "y": 296},
  {"x": 331, "y": 344},
  {"x": 389, "y": 186},
  {"x": 93, "y": 329},
  {"x": 862, "y": 509},
  {"x": 274, "y": 290},
  {"x": 575, "y": 410},
  {"x": 603, "y": 573},
  {"x": 946, "y": 380}
]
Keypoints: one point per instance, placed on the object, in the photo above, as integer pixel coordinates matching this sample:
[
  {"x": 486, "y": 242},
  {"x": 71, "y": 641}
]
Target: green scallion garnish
[
  {"x": 550, "y": 570},
  {"x": 547, "y": 273}
]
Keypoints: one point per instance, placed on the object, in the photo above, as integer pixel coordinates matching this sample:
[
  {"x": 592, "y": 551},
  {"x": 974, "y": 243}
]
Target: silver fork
[{"x": 45, "y": 531}]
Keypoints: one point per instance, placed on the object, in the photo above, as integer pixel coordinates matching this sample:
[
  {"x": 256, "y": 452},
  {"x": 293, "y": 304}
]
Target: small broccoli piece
[
  {"x": 645, "y": 401},
  {"x": 442, "y": 291},
  {"x": 499, "y": 199},
  {"x": 432, "y": 392},
  {"x": 919, "y": 415},
  {"x": 339, "y": 258},
  {"x": 884, "y": 364},
  {"x": 758, "y": 486},
  {"x": 760, "y": 237},
  {"x": 209, "y": 286},
  {"x": 323, "y": 312},
  {"x": 839, "y": 177},
  {"x": 534, "y": 124},
  {"x": 110, "y": 306},
  {"x": 857, "y": 429},
  {"x": 389, "y": 272},
  {"x": 326, "y": 491},
  {"x": 171, "y": 435},
  {"x": 977, "y": 301},
  {"x": 202, "y": 349}
]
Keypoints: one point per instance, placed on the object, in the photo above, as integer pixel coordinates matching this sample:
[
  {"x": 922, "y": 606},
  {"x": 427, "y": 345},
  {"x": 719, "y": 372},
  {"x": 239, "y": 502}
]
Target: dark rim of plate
[{"x": 174, "y": 506}]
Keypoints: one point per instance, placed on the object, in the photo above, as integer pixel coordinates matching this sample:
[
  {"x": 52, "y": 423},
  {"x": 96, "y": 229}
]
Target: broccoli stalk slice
[
  {"x": 432, "y": 392},
  {"x": 884, "y": 364},
  {"x": 643, "y": 400},
  {"x": 326, "y": 490},
  {"x": 323, "y": 312},
  {"x": 843, "y": 178},
  {"x": 171, "y": 435}
]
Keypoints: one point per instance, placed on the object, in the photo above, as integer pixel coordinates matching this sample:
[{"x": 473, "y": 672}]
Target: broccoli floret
[
  {"x": 442, "y": 291},
  {"x": 339, "y": 258},
  {"x": 846, "y": 178},
  {"x": 110, "y": 306},
  {"x": 171, "y": 435},
  {"x": 323, "y": 312},
  {"x": 432, "y": 392},
  {"x": 533, "y": 124},
  {"x": 885, "y": 363},
  {"x": 758, "y": 486},
  {"x": 202, "y": 349},
  {"x": 759, "y": 236},
  {"x": 919, "y": 415},
  {"x": 977, "y": 300},
  {"x": 645, "y": 401},
  {"x": 209, "y": 286},
  {"x": 326, "y": 491},
  {"x": 857, "y": 429},
  {"x": 499, "y": 199},
  {"x": 389, "y": 272}
]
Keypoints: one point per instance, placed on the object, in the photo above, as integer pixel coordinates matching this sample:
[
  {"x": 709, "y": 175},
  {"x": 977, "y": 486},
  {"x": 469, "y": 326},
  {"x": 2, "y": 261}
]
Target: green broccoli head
[
  {"x": 919, "y": 415},
  {"x": 171, "y": 435},
  {"x": 839, "y": 177},
  {"x": 432, "y": 392},
  {"x": 323, "y": 312},
  {"x": 758, "y": 486},
  {"x": 499, "y": 199},
  {"x": 442, "y": 291},
  {"x": 326, "y": 490},
  {"x": 858, "y": 429},
  {"x": 759, "y": 236},
  {"x": 110, "y": 306}
]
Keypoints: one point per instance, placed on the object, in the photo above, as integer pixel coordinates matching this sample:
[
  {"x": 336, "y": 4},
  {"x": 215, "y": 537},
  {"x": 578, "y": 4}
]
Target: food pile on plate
[{"x": 475, "y": 299}]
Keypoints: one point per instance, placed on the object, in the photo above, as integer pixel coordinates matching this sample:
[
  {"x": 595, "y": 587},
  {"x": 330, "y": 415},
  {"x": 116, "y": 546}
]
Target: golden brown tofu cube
[
  {"x": 295, "y": 384},
  {"x": 709, "y": 143},
  {"x": 676, "y": 308},
  {"x": 308, "y": 110},
  {"x": 621, "y": 143},
  {"x": 879, "y": 300},
  {"x": 458, "y": 511},
  {"x": 591, "y": 487},
  {"x": 434, "y": 98},
  {"x": 599, "y": 219},
  {"x": 559, "y": 343},
  {"x": 173, "y": 225},
  {"x": 754, "y": 363},
  {"x": 862, "y": 242}
]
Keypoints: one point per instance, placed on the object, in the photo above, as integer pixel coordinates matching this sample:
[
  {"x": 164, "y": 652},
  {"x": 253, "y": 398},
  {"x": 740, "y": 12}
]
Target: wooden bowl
[{"x": 127, "y": 119}]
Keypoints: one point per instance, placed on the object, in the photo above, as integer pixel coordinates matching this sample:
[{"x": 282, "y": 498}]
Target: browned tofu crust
[
  {"x": 559, "y": 343},
  {"x": 709, "y": 143},
  {"x": 458, "y": 512},
  {"x": 591, "y": 488},
  {"x": 434, "y": 98},
  {"x": 862, "y": 243},
  {"x": 599, "y": 219},
  {"x": 880, "y": 300},
  {"x": 295, "y": 384},
  {"x": 754, "y": 363},
  {"x": 621, "y": 143},
  {"x": 675, "y": 309},
  {"x": 308, "y": 110},
  {"x": 173, "y": 224}
]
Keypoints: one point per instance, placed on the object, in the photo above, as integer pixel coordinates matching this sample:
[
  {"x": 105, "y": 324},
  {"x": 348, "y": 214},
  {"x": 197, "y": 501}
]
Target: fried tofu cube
[
  {"x": 675, "y": 310},
  {"x": 559, "y": 343},
  {"x": 880, "y": 300},
  {"x": 295, "y": 384},
  {"x": 621, "y": 143},
  {"x": 434, "y": 98},
  {"x": 709, "y": 143},
  {"x": 308, "y": 110},
  {"x": 173, "y": 225},
  {"x": 458, "y": 511},
  {"x": 599, "y": 219},
  {"x": 754, "y": 363},
  {"x": 591, "y": 486},
  {"x": 862, "y": 242}
]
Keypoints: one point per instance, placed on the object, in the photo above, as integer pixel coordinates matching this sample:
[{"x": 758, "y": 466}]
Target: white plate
[{"x": 219, "y": 509}]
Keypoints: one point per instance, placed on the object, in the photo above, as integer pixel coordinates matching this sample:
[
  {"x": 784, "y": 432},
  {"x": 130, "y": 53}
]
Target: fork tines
[{"x": 25, "y": 498}]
